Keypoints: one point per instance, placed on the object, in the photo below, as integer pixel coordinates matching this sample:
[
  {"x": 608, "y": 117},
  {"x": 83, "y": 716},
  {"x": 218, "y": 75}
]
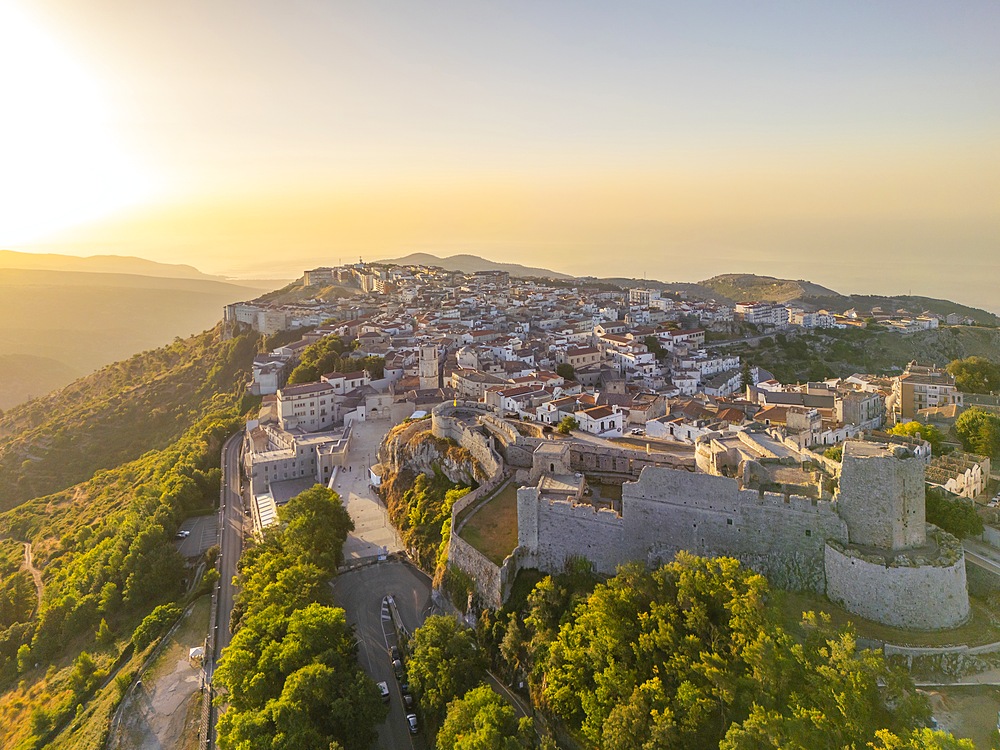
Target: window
[{"x": 729, "y": 522}]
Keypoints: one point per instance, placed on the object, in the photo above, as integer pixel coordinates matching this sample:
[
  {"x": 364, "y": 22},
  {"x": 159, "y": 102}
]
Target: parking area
[{"x": 203, "y": 533}]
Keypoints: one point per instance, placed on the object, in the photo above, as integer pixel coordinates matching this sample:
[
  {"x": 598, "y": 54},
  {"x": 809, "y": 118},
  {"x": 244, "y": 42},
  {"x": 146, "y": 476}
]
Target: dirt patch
[
  {"x": 968, "y": 712},
  {"x": 162, "y": 711}
]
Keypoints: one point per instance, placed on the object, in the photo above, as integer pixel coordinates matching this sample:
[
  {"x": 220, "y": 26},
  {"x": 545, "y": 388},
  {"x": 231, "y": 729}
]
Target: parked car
[
  {"x": 397, "y": 668},
  {"x": 408, "y": 700},
  {"x": 383, "y": 688},
  {"x": 394, "y": 654},
  {"x": 411, "y": 719},
  {"x": 182, "y": 534}
]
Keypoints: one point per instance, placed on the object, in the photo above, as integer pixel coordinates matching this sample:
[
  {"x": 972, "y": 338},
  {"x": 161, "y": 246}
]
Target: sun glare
[{"x": 60, "y": 163}]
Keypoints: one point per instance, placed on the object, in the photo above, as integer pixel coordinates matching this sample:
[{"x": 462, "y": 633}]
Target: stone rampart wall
[
  {"x": 565, "y": 530},
  {"x": 484, "y": 571},
  {"x": 446, "y": 426},
  {"x": 596, "y": 459},
  {"x": 780, "y": 536},
  {"x": 982, "y": 582},
  {"x": 927, "y": 597}
]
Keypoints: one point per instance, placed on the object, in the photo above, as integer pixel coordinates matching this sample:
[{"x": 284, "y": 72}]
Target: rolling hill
[
  {"x": 59, "y": 325},
  {"x": 100, "y": 264},
  {"x": 473, "y": 263},
  {"x": 746, "y": 287}
]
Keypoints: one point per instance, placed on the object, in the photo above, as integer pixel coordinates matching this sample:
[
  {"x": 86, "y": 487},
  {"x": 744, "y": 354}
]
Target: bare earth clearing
[{"x": 162, "y": 712}]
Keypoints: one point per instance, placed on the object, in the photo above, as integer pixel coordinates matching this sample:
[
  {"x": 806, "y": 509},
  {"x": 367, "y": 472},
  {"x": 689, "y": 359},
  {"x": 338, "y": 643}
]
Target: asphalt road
[
  {"x": 231, "y": 537},
  {"x": 230, "y": 520},
  {"x": 360, "y": 593}
]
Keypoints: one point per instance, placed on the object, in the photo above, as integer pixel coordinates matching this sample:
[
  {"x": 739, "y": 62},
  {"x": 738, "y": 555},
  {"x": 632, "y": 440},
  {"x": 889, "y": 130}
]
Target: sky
[{"x": 856, "y": 144}]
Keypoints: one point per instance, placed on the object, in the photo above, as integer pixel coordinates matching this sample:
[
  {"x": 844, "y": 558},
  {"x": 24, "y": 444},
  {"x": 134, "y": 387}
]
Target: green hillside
[
  {"x": 102, "y": 473},
  {"x": 831, "y": 353},
  {"x": 116, "y": 414},
  {"x": 748, "y": 287}
]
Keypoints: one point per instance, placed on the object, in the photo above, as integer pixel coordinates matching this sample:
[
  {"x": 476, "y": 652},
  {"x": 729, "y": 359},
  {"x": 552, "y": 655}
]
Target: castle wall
[
  {"x": 484, "y": 571},
  {"x": 927, "y": 597},
  {"x": 479, "y": 445},
  {"x": 982, "y": 582},
  {"x": 552, "y": 531},
  {"x": 779, "y": 536}
]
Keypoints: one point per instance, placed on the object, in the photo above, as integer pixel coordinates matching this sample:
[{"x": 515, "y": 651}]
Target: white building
[{"x": 601, "y": 420}]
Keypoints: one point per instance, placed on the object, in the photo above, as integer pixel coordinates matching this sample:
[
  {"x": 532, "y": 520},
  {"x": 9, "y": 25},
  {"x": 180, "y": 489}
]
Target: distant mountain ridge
[
  {"x": 465, "y": 263},
  {"x": 101, "y": 264},
  {"x": 56, "y": 326}
]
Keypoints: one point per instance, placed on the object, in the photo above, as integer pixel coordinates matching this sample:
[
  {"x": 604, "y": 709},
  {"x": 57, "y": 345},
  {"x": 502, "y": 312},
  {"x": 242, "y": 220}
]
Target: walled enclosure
[
  {"x": 668, "y": 510},
  {"x": 783, "y": 536}
]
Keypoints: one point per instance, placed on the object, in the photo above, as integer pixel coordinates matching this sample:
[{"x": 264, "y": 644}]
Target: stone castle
[{"x": 854, "y": 530}]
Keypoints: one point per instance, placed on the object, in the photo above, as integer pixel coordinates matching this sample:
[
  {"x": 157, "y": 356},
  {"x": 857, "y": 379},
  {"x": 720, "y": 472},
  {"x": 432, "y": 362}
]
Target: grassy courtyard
[{"x": 493, "y": 528}]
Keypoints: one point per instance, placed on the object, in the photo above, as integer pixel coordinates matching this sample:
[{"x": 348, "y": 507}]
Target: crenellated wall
[
  {"x": 781, "y": 536},
  {"x": 550, "y": 531},
  {"x": 798, "y": 542}
]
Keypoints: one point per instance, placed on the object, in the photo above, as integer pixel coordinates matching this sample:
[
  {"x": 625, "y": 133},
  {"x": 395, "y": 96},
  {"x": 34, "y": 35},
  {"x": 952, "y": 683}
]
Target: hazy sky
[{"x": 854, "y": 143}]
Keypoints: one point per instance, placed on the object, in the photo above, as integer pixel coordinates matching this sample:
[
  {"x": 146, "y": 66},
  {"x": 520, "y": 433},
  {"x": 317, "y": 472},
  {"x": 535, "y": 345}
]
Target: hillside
[
  {"x": 57, "y": 326},
  {"x": 913, "y": 305},
  {"x": 473, "y": 263},
  {"x": 746, "y": 287},
  {"x": 115, "y": 414},
  {"x": 750, "y": 287},
  {"x": 102, "y": 472},
  {"x": 100, "y": 264},
  {"x": 830, "y": 353}
]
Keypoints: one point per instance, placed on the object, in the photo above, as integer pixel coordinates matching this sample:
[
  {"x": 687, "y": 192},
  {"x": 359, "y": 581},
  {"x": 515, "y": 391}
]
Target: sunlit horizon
[{"x": 857, "y": 146}]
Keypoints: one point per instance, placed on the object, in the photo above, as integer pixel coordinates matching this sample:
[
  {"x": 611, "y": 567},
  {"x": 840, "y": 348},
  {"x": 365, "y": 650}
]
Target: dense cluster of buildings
[{"x": 620, "y": 363}]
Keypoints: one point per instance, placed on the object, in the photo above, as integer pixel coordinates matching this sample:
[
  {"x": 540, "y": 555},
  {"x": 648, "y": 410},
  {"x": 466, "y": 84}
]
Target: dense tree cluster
[
  {"x": 331, "y": 354},
  {"x": 482, "y": 720},
  {"x": 927, "y": 432},
  {"x": 444, "y": 664},
  {"x": 955, "y": 515},
  {"x": 975, "y": 375},
  {"x": 290, "y": 675},
  {"x": 979, "y": 432},
  {"x": 693, "y": 655}
]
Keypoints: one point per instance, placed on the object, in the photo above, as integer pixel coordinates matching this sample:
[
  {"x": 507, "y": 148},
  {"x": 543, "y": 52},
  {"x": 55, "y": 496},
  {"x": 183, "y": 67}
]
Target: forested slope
[
  {"x": 152, "y": 428},
  {"x": 116, "y": 414}
]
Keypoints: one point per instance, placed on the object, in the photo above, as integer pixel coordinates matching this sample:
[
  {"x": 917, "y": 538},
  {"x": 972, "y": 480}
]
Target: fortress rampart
[
  {"x": 866, "y": 546},
  {"x": 928, "y": 596}
]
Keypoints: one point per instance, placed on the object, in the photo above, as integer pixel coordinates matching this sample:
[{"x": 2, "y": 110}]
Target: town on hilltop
[{"x": 624, "y": 427}]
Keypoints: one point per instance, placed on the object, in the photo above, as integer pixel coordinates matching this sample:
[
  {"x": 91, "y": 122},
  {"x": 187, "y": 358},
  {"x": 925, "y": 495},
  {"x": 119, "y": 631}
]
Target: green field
[{"x": 493, "y": 528}]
